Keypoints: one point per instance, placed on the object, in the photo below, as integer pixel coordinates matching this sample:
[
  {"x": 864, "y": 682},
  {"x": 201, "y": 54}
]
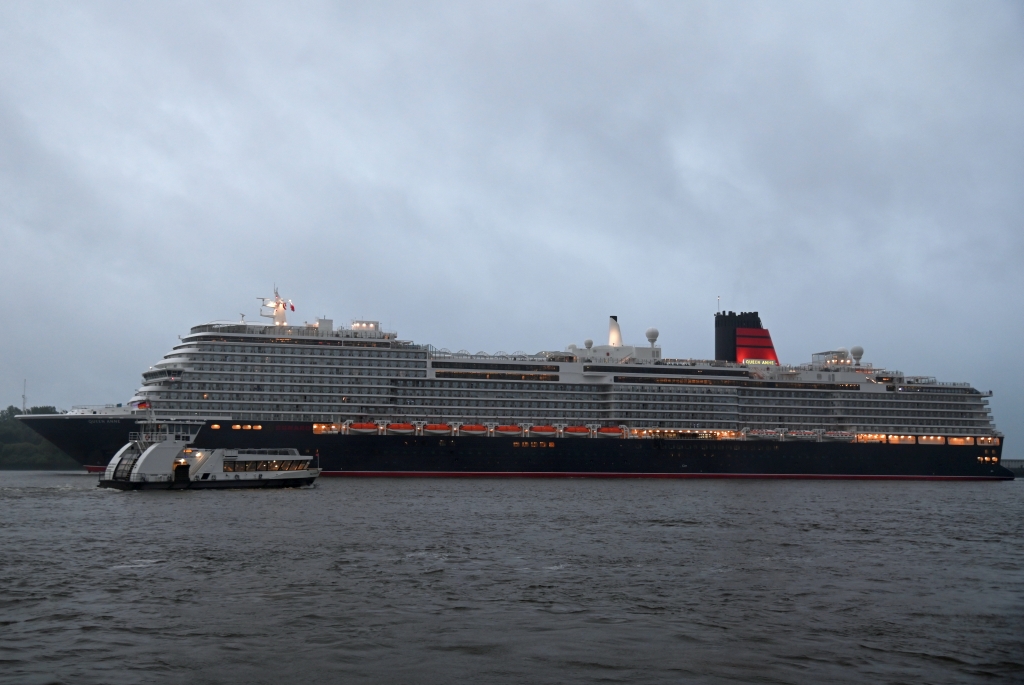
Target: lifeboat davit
[
  {"x": 508, "y": 430},
  {"x": 363, "y": 429},
  {"x": 437, "y": 429},
  {"x": 401, "y": 429},
  {"x": 576, "y": 432},
  {"x": 609, "y": 432},
  {"x": 760, "y": 434},
  {"x": 801, "y": 435},
  {"x": 839, "y": 436},
  {"x": 543, "y": 431},
  {"x": 473, "y": 429}
]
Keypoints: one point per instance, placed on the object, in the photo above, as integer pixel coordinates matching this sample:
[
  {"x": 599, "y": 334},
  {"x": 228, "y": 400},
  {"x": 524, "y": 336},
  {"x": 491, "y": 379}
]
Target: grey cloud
[{"x": 504, "y": 175}]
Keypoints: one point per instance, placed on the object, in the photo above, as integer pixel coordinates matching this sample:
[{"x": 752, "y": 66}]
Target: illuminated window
[
  {"x": 215, "y": 426},
  {"x": 328, "y": 428},
  {"x": 236, "y": 427}
]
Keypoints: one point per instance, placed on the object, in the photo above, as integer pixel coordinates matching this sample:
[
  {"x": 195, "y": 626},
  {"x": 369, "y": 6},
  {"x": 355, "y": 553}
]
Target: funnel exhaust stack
[{"x": 614, "y": 334}]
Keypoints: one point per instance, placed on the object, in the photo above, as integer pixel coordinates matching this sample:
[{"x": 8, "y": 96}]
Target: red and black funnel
[{"x": 741, "y": 338}]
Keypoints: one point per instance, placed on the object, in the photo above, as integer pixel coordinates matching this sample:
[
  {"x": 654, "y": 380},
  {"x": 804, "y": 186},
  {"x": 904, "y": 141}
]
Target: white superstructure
[{"x": 317, "y": 372}]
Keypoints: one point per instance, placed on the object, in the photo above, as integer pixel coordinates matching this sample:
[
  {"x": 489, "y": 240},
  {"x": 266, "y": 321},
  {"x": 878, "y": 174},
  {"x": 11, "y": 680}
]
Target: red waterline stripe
[{"x": 603, "y": 474}]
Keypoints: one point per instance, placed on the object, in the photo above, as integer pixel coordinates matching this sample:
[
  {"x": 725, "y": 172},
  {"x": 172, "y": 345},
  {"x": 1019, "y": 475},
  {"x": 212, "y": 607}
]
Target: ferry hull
[{"x": 210, "y": 485}]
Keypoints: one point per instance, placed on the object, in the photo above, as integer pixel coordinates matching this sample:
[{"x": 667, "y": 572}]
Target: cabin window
[{"x": 285, "y": 465}]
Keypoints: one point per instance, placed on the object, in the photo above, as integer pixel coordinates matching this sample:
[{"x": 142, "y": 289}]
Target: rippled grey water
[{"x": 492, "y": 581}]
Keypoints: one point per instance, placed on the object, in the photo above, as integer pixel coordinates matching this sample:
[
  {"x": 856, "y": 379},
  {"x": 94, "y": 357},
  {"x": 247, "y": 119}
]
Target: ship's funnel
[
  {"x": 741, "y": 338},
  {"x": 614, "y": 334}
]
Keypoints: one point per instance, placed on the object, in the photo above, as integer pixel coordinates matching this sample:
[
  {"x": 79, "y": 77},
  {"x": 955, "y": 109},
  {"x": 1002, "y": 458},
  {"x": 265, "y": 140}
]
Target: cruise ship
[{"x": 363, "y": 402}]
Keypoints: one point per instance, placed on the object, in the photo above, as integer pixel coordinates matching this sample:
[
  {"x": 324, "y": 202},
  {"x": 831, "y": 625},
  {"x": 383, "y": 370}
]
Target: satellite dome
[
  {"x": 857, "y": 352},
  {"x": 588, "y": 343},
  {"x": 652, "y": 335}
]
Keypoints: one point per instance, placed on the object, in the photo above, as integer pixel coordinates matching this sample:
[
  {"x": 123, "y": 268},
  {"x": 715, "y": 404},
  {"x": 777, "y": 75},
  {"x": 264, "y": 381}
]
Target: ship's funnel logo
[{"x": 754, "y": 346}]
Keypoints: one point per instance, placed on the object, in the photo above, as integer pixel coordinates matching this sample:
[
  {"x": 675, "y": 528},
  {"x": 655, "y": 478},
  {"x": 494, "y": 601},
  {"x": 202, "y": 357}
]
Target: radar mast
[{"x": 278, "y": 308}]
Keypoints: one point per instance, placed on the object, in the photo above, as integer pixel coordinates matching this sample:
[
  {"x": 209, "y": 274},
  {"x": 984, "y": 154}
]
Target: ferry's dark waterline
[{"x": 454, "y": 580}]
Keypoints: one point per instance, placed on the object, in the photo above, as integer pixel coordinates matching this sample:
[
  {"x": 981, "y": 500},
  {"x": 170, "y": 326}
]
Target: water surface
[{"x": 510, "y": 581}]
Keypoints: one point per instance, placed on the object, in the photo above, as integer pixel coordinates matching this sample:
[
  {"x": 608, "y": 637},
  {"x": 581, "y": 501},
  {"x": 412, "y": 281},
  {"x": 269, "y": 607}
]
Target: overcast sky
[{"x": 503, "y": 176}]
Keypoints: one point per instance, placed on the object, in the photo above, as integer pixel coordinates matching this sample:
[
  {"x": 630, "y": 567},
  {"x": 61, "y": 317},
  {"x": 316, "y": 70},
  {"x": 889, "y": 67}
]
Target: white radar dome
[
  {"x": 857, "y": 352},
  {"x": 652, "y": 335},
  {"x": 588, "y": 343}
]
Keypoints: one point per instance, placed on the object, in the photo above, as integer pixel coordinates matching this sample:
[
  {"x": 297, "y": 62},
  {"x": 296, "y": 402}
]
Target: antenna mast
[
  {"x": 24, "y": 390},
  {"x": 278, "y": 308}
]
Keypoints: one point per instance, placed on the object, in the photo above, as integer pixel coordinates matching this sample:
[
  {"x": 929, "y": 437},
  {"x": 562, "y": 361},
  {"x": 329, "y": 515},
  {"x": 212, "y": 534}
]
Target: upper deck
[{"x": 361, "y": 372}]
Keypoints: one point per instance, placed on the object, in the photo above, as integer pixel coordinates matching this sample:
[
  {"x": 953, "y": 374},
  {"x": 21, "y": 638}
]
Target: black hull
[
  {"x": 92, "y": 441},
  {"x": 210, "y": 485},
  {"x": 371, "y": 455},
  {"x": 89, "y": 440}
]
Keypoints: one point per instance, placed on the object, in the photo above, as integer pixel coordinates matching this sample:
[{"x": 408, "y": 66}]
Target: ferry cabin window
[{"x": 285, "y": 465}]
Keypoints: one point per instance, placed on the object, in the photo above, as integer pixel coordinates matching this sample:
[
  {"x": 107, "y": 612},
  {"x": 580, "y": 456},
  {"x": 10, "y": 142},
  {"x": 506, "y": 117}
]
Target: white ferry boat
[{"x": 159, "y": 460}]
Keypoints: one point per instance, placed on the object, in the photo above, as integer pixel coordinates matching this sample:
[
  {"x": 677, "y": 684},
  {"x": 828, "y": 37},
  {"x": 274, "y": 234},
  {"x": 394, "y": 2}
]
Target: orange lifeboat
[
  {"x": 401, "y": 429},
  {"x": 473, "y": 429},
  {"x": 508, "y": 431},
  {"x": 576, "y": 432},
  {"x": 363, "y": 429},
  {"x": 437, "y": 429},
  {"x": 609, "y": 432},
  {"x": 543, "y": 431}
]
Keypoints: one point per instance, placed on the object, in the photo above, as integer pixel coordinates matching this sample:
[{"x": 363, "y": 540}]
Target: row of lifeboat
[
  {"x": 837, "y": 436},
  {"x": 481, "y": 430},
  {"x": 515, "y": 431}
]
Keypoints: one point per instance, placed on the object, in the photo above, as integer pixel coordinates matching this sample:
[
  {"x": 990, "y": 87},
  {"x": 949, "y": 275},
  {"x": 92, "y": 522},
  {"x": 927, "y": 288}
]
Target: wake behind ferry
[{"x": 365, "y": 403}]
